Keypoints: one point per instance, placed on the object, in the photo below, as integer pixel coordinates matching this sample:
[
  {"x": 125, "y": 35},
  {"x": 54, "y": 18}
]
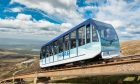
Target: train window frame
[
  {"x": 48, "y": 51},
  {"x": 81, "y": 36},
  {"x": 51, "y": 53},
  {"x": 68, "y": 42},
  {"x": 46, "y": 54},
  {"x": 94, "y": 35},
  {"x": 43, "y": 53},
  {"x": 52, "y": 48},
  {"x": 60, "y": 40},
  {"x": 104, "y": 34},
  {"x": 71, "y": 42},
  {"x": 56, "y": 47},
  {"x": 88, "y": 37}
]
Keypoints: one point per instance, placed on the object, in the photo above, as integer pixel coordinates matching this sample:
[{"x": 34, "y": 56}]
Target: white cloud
[
  {"x": 63, "y": 9},
  {"x": 22, "y": 25},
  {"x": 121, "y": 14},
  {"x": 87, "y": 8},
  {"x": 115, "y": 23},
  {"x": 24, "y": 17},
  {"x": 68, "y": 3},
  {"x": 17, "y": 9}
]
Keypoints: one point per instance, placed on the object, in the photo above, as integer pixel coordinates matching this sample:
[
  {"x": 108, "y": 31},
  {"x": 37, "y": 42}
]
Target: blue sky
[{"x": 45, "y": 19}]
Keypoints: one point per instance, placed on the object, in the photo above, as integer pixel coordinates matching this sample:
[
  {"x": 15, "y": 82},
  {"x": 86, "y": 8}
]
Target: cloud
[
  {"x": 23, "y": 25},
  {"x": 120, "y": 14},
  {"x": 17, "y": 9},
  {"x": 63, "y": 9},
  {"x": 23, "y": 17}
]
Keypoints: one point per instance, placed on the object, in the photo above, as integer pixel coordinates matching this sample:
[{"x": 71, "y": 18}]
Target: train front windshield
[
  {"x": 109, "y": 38},
  {"x": 108, "y": 34}
]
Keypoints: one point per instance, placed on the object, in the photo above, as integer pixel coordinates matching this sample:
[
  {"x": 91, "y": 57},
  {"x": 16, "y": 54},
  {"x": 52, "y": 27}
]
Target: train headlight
[{"x": 105, "y": 53}]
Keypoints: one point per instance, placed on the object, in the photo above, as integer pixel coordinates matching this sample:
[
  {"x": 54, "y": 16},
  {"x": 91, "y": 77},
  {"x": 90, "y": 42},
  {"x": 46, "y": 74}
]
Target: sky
[{"x": 46, "y": 19}]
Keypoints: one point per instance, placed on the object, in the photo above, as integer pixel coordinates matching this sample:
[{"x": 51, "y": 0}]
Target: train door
[
  {"x": 47, "y": 54},
  {"x": 51, "y": 53},
  {"x": 66, "y": 46},
  {"x": 88, "y": 40},
  {"x": 56, "y": 50},
  {"x": 92, "y": 45},
  {"x": 81, "y": 41},
  {"x": 43, "y": 55},
  {"x": 60, "y": 54},
  {"x": 73, "y": 49}
]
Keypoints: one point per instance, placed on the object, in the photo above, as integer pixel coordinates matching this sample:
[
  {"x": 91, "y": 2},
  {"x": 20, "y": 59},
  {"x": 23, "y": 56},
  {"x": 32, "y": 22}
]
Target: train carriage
[{"x": 85, "y": 41}]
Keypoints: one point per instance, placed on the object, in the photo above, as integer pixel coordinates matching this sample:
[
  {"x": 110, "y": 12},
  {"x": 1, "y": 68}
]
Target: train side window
[
  {"x": 52, "y": 48},
  {"x": 43, "y": 52},
  {"x": 60, "y": 45},
  {"x": 56, "y": 49},
  {"x": 73, "y": 39},
  {"x": 81, "y": 36},
  {"x": 94, "y": 35},
  {"x": 40, "y": 55},
  {"x": 88, "y": 34},
  {"x": 46, "y": 50},
  {"x": 50, "y": 51},
  {"x": 66, "y": 42}
]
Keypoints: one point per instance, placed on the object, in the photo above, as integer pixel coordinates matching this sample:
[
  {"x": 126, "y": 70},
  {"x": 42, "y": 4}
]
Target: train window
[
  {"x": 46, "y": 51},
  {"x": 73, "y": 39},
  {"x": 81, "y": 35},
  {"x": 50, "y": 51},
  {"x": 108, "y": 34},
  {"x": 43, "y": 52},
  {"x": 94, "y": 35},
  {"x": 88, "y": 34},
  {"x": 60, "y": 45},
  {"x": 56, "y": 49},
  {"x": 66, "y": 38},
  {"x": 52, "y": 48},
  {"x": 40, "y": 55}
]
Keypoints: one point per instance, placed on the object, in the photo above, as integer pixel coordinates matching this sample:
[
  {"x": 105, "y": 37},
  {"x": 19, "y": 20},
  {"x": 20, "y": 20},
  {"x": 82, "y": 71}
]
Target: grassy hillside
[
  {"x": 130, "y": 48},
  {"x": 12, "y": 61}
]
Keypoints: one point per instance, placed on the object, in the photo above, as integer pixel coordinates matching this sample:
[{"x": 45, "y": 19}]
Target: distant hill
[
  {"x": 130, "y": 48},
  {"x": 23, "y": 44}
]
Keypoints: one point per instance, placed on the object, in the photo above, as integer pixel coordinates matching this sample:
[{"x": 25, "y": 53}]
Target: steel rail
[{"x": 113, "y": 61}]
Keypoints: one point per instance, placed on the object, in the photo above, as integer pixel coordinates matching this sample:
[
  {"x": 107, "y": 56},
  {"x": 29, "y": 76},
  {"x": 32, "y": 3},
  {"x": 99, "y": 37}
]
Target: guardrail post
[
  {"x": 35, "y": 78},
  {"x": 13, "y": 79},
  {"x": 20, "y": 81},
  {"x": 4, "y": 82}
]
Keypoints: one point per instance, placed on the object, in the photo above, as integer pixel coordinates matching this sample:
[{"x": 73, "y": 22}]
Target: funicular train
[{"x": 87, "y": 40}]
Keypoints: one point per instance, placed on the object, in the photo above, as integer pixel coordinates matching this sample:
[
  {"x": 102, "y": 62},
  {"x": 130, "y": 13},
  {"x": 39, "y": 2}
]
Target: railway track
[
  {"x": 129, "y": 60},
  {"x": 113, "y": 61}
]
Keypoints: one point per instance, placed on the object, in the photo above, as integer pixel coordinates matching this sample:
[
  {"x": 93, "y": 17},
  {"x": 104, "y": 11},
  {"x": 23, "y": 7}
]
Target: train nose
[{"x": 109, "y": 54}]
